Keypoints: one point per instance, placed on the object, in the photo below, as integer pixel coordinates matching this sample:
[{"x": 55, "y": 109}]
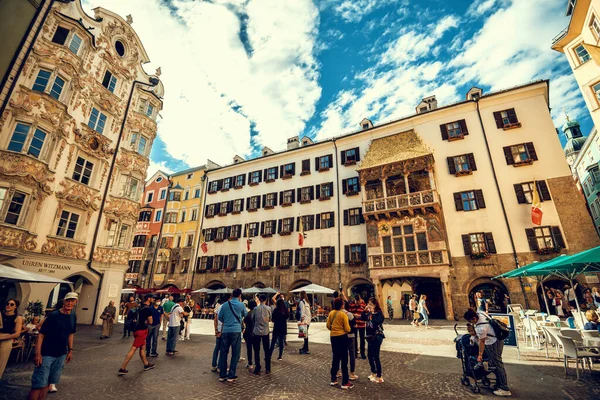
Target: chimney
[{"x": 293, "y": 143}]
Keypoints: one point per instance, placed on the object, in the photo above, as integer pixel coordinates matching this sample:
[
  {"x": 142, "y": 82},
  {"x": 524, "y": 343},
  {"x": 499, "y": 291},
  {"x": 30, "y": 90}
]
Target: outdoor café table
[{"x": 591, "y": 341}]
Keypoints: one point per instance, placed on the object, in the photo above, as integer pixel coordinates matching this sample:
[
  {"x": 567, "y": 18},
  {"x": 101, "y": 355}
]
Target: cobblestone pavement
[{"x": 93, "y": 375}]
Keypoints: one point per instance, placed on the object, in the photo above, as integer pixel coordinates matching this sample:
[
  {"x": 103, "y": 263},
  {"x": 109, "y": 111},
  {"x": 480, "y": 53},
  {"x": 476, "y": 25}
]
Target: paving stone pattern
[{"x": 93, "y": 375}]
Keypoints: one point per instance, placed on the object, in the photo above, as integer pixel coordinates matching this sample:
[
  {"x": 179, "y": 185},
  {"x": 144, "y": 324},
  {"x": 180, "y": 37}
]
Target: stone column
[
  {"x": 431, "y": 179},
  {"x": 406, "y": 182},
  {"x": 383, "y": 180},
  {"x": 378, "y": 292},
  {"x": 446, "y": 293}
]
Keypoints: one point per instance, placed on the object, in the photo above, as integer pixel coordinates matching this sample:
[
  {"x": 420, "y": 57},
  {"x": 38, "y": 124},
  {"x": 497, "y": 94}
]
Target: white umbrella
[
  {"x": 11, "y": 274},
  {"x": 315, "y": 289},
  {"x": 256, "y": 290},
  {"x": 220, "y": 291},
  {"x": 203, "y": 290}
]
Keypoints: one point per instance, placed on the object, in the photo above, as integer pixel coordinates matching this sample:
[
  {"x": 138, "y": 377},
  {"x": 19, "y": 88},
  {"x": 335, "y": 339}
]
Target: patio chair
[
  {"x": 19, "y": 345},
  {"x": 571, "y": 351},
  {"x": 586, "y": 334},
  {"x": 573, "y": 334},
  {"x": 531, "y": 331},
  {"x": 555, "y": 319},
  {"x": 551, "y": 339},
  {"x": 518, "y": 323}
]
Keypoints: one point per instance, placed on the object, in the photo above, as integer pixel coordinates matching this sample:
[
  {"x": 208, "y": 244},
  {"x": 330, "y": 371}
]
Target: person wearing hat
[
  {"x": 140, "y": 333},
  {"x": 54, "y": 347},
  {"x": 177, "y": 313}
]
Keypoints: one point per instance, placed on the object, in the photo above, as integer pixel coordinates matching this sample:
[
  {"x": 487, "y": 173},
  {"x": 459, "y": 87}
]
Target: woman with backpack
[
  {"x": 374, "y": 317},
  {"x": 304, "y": 321},
  {"x": 279, "y": 317}
]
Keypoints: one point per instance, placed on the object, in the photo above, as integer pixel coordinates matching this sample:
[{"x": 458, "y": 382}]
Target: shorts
[
  {"x": 140, "y": 338},
  {"x": 49, "y": 372}
]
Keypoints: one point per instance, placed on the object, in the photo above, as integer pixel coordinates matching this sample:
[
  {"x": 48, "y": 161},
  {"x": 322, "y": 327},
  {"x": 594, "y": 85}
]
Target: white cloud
[
  {"x": 480, "y": 7},
  {"x": 216, "y": 90},
  {"x": 356, "y": 10},
  {"x": 155, "y": 166}
]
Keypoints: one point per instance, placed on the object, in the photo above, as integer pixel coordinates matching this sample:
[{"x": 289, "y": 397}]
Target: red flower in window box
[
  {"x": 457, "y": 137},
  {"x": 283, "y": 267},
  {"x": 222, "y": 214},
  {"x": 225, "y": 190},
  {"x": 304, "y": 173},
  {"x": 266, "y": 235},
  {"x": 212, "y": 191},
  {"x": 287, "y": 176},
  {"x": 202, "y": 271},
  {"x": 529, "y": 161},
  {"x": 253, "y": 184},
  {"x": 286, "y": 204},
  {"x": 229, "y": 269},
  {"x": 303, "y": 266},
  {"x": 463, "y": 172},
  {"x": 355, "y": 263},
  {"x": 549, "y": 250},
  {"x": 219, "y": 240},
  {"x": 269, "y": 207},
  {"x": 304, "y": 201},
  {"x": 252, "y": 210},
  {"x": 235, "y": 212},
  {"x": 237, "y": 187},
  {"x": 232, "y": 238},
  {"x": 323, "y": 169},
  {"x": 208, "y": 216},
  {"x": 324, "y": 198},
  {"x": 214, "y": 270},
  {"x": 351, "y": 193},
  {"x": 285, "y": 233},
  {"x": 350, "y": 162},
  {"x": 324, "y": 264},
  {"x": 247, "y": 268},
  {"x": 481, "y": 255},
  {"x": 514, "y": 125},
  {"x": 269, "y": 180},
  {"x": 264, "y": 267}
]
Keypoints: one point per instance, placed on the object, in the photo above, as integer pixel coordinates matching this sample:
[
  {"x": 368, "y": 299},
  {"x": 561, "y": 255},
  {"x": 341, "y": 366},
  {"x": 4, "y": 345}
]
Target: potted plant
[{"x": 33, "y": 309}]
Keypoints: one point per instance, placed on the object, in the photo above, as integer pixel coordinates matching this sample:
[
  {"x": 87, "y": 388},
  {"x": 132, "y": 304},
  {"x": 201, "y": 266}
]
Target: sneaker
[
  {"x": 214, "y": 369},
  {"x": 231, "y": 380},
  {"x": 148, "y": 367},
  {"x": 257, "y": 372},
  {"x": 378, "y": 380},
  {"x": 169, "y": 353},
  {"x": 372, "y": 376},
  {"x": 242, "y": 359},
  {"x": 353, "y": 377},
  {"x": 502, "y": 393},
  {"x": 122, "y": 372},
  {"x": 248, "y": 365},
  {"x": 154, "y": 355},
  {"x": 222, "y": 379},
  {"x": 279, "y": 359},
  {"x": 53, "y": 388},
  {"x": 175, "y": 351},
  {"x": 334, "y": 383},
  {"x": 268, "y": 371},
  {"x": 347, "y": 386}
]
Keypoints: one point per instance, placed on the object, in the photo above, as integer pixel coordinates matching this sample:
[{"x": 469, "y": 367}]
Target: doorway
[{"x": 432, "y": 288}]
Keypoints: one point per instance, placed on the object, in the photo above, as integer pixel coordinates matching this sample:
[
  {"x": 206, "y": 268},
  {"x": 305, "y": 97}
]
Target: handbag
[
  {"x": 417, "y": 315},
  {"x": 104, "y": 316},
  {"x": 302, "y": 330}
]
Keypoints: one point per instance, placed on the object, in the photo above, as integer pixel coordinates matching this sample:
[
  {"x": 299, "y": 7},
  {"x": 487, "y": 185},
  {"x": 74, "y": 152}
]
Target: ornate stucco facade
[{"x": 74, "y": 142}]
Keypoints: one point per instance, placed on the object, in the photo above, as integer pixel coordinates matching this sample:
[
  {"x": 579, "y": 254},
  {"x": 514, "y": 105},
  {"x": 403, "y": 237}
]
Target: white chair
[
  {"x": 555, "y": 319},
  {"x": 551, "y": 339},
  {"x": 571, "y": 351},
  {"x": 573, "y": 334},
  {"x": 577, "y": 319},
  {"x": 531, "y": 331},
  {"x": 518, "y": 323},
  {"x": 586, "y": 334}
]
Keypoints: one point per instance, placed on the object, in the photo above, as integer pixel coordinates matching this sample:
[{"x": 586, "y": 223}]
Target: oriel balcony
[
  {"x": 403, "y": 204},
  {"x": 410, "y": 259}
]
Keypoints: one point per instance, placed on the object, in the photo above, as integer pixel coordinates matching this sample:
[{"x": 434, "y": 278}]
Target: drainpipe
[
  {"x": 153, "y": 82},
  {"x": 512, "y": 241},
  {"x": 199, "y": 231},
  {"x": 339, "y": 228},
  {"x": 162, "y": 224}
]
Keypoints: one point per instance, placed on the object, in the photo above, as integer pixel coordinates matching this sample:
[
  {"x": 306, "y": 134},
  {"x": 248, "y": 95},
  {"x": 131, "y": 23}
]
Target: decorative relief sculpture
[
  {"x": 111, "y": 256},
  {"x": 133, "y": 161},
  {"x": 64, "y": 248},
  {"x": 93, "y": 142},
  {"x": 77, "y": 195},
  {"x": 122, "y": 208},
  {"x": 19, "y": 168},
  {"x": 17, "y": 239}
]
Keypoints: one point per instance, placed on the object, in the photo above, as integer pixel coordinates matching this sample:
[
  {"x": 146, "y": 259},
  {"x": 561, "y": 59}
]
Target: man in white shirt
[
  {"x": 493, "y": 348},
  {"x": 177, "y": 314},
  {"x": 570, "y": 295}
]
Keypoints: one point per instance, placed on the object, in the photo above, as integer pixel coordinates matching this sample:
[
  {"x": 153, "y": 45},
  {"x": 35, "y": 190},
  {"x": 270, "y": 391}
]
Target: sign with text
[
  {"x": 509, "y": 320},
  {"x": 44, "y": 267}
]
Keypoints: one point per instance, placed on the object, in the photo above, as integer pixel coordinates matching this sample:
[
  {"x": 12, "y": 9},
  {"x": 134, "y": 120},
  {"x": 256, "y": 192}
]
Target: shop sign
[
  {"x": 158, "y": 279},
  {"x": 44, "y": 267}
]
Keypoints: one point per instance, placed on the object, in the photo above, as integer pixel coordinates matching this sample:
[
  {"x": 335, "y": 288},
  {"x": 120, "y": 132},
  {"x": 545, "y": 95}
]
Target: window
[
  {"x": 287, "y": 225},
  {"x": 15, "y": 201},
  {"x": 326, "y": 220},
  {"x": 145, "y": 216},
  {"x": 506, "y": 119},
  {"x": 323, "y": 163},
  {"x": 210, "y": 210},
  {"x": 97, "y": 120},
  {"x": 75, "y": 44},
  {"x": 213, "y": 187},
  {"x": 171, "y": 218},
  {"x": 327, "y": 254},
  {"x": 285, "y": 258},
  {"x": 139, "y": 240},
  {"x": 350, "y": 156},
  {"x": 459, "y": 165},
  {"x": 469, "y": 201},
  {"x": 153, "y": 240},
  {"x": 404, "y": 239},
  {"x": 232, "y": 261},
  {"x": 289, "y": 169},
  {"x": 582, "y": 54},
  {"x": 150, "y": 197},
  {"x": 183, "y": 214},
  {"x": 22, "y": 141},
  {"x": 196, "y": 193},
  {"x": 478, "y": 243},
  {"x": 227, "y": 183},
  {"x": 305, "y": 167},
  {"x": 238, "y": 205},
  {"x": 109, "y": 81},
  {"x": 130, "y": 188},
  {"x": 120, "y": 48},
  {"x": 239, "y": 180},
  {"x": 454, "y": 130},
  {"x": 350, "y": 186},
  {"x": 138, "y": 143},
  {"x": 255, "y": 177},
  {"x": 353, "y": 216},
  {"x": 252, "y": 229},
  {"x": 67, "y": 225},
  {"x": 42, "y": 81},
  {"x": 305, "y": 256},
  {"x": 189, "y": 241},
  {"x": 595, "y": 27},
  {"x": 175, "y": 196},
  {"x": 269, "y": 227},
  {"x": 83, "y": 171},
  {"x": 185, "y": 264},
  {"x": 254, "y": 203},
  {"x": 520, "y": 154},
  {"x": 223, "y": 208},
  {"x": 287, "y": 197},
  {"x": 163, "y": 194},
  {"x": 209, "y": 234},
  {"x": 203, "y": 264},
  {"x": 158, "y": 216},
  {"x": 149, "y": 110},
  {"x": 524, "y": 191},
  {"x": 305, "y": 194},
  {"x": 326, "y": 190},
  {"x": 271, "y": 174},
  {"x": 186, "y": 195},
  {"x": 545, "y": 238},
  {"x": 250, "y": 260},
  {"x": 60, "y": 36},
  {"x": 235, "y": 231},
  {"x": 178, "y": 241},
  {"x": 267, "y": 259},
  {"x": 194, "y": 216},
  {"x": 308, "y": 222},
  {"x": 355, "y": 253},
  {"x": 270, "y": 200}
]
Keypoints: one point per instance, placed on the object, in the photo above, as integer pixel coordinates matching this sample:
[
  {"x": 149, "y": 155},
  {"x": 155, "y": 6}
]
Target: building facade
[
  {"x": 437, "y": 203},
  {"x": 144, "y": 249},
  {"x": 75, "y": 137}
]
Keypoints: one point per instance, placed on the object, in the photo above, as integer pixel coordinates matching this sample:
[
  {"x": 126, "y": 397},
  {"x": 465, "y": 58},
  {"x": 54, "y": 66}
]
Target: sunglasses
[{"x": 11, "y": 304}]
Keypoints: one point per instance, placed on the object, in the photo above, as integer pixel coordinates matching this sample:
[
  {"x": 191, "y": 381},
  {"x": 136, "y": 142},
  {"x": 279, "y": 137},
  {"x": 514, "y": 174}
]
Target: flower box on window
[
  {"x": 235, "y": 212},
  {"x": 323, "y": 169},
  {"x": 225, "y": 190},
  {"x": 219, "y": 240},
  {"x": 529, "y": 161},
  {"x": 480, "y": 255},
  {"x": 325, "y": 198},
  {"x": 247, "y": 268},
  {"x": 549, "y": 250},
  {"x": 303, "y": 266},
  {"x": 355, "y": 263},
  {"x": 283, "y": 267},
  {"x": 287, "y": 176},
  {"x": 324, "y": 264},
  {"x": 253, "y": 184},
  {"x": 463, "y": 172},
  {"x": 456, "y": 137},
  {"x": 211, "y": 191},
  {"x": 202, "y": 271},
  {"x": 266, "y": 235},
  {"x": 351, "y": 193},
  {"x": 269, "y": 207},
  {"x": 222, "y": 214},
  {"x": 232, "y": 238},
  {"x": 304, "y": 173},
  {"x": 269, "y": 180},
  {"x": 285, "y": 233},
  {"x": 252, "y": 210},
  {"x": 214, "y": 270},
  {"x": 349, "y": 162},
  {"x": 264, "y": 267},
  {"x": 209, "y": 216},
  {"x": 236, "y": 187},
  {"x": 514, "y": 125},
  {"x": 304, "y": 201},
  {"x": 286, "y": 204},
  {"x": 229, "y": 269}
]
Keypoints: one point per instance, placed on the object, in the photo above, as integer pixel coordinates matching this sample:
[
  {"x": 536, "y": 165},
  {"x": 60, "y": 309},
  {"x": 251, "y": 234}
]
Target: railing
[
  {"x": 561, "y": 35},
  {"x": 408, "y": 259},
  {"x": 403, "y": 201}
]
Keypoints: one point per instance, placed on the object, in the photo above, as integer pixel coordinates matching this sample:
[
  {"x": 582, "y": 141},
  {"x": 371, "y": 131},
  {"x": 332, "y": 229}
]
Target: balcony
[
  {"x": 16, "y": 239},
  {"x": 142, "y": 228},
  {"x": 403, "y": 204},
  {"x": 410, "y": 259}
]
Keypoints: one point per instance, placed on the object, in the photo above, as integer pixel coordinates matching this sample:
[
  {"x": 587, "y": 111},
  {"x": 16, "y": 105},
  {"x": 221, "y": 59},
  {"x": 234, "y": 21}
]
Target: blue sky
[{"x": 241, "y": 74}]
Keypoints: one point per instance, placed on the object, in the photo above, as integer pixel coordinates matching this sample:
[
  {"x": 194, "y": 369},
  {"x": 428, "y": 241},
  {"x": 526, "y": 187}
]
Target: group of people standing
[
  {"x": 561, "y": 302},
  {"x": 414, "y": 309}
]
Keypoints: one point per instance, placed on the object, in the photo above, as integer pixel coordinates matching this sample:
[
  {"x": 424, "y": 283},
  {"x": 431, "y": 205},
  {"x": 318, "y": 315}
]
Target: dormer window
[
  {"x": 63, "y": 37},
  {"x": 109, "y": 81}
]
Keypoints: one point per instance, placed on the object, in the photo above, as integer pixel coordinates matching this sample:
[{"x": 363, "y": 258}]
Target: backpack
[
  {"x": 298, "y": 311},
  {"x": 501, "y": 330},
  {"x": 133, "y": 316}
]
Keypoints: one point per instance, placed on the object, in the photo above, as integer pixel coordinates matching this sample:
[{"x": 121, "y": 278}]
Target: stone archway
[
  {"x": 362, "y": 287},
  {"x": 299, "y": 283},
  {"x": 259, "y": 285},
  {"x": 215, "y": 285},
  {"x": 494, "y": 292}
]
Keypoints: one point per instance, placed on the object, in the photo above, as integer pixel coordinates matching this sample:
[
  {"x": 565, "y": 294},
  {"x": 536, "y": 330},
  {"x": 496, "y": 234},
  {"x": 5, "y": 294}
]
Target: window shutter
[
  {"x": 520, "y": 194},
  {"x": 278, "y": 258},
  {"x": 259, "y": 258},
  {"x": 279, "y": 224},
  {"x": 281, "y": 171},
  {"x": 471, "y": 161},
  {"x": 444, "y": 130},
  {"x": 245, "y": 230},
  {"x": 533, "y": 244},
  {"x": 317, "y": 191},
  {"x": 225, "y": 260},
  {"x": 305, "y": 165},
  {"x": 344, "y": 186},
  {"x": 293, "y": 168},
  {"x": 363, "y": 252},
  {"x": 451, "y": 166},
  {"x": 489, "y": 242},
  {"x": 254, "y": 260},
  {"x": 330, "y": 184},
  {"x": 257, "y": 201},
  {"x": 206, "y": 209},
  {"x": 265, "y": 173},
  {"x": 297, "y": 257},
  {"x": 292, "y": 224},
  {"x": 362, "y": 218},
  {"x": 458, "y": 202},
  {"x": 330, "y": 160},
  {"x": 343, "y": 156},
  {"x": 311, "y": 222},
  {"x": 299, "y": 190},
  {"x": 311, "y": 191},
  {"x": 276, "y": 174},
  {"x": 346, "y": 254},
  {"x": 479, "y": 199},
  {"x": 271, "y": 256},
  {"x": 466, "y": 245},
  {"x": 310, "y": 256},
  {"x": 498, "y": 118},
  {"x": 293, "y": 196},
  {"x": 220, "y": 184},
  {"x": 558, "y": 238},
  {"x": 543, "y": 190},
  {"x": 238, "y": 230},
  {"x": 316, "y": 163},
  {"x": 463, "y": 127},
  {"x": 298, "y": 223},
  {"x": 318, "y": 223},
  {"x": 260, "y": 179},
  {"x": 229, "y": 206},
  {"x": 317, "y": 255},
  {"x": 332, "y": 217},
  {"x": 332, "y": 254},
  {"x": 508, "y": 155},
  {"x": 531, "y": 151},
  {"x": 346, "y": 217},
  {"x": 262, "y": 227},
  {"x": 274, "y": 198},
  {"x": 243, "y": 179},
  {"x": 264, "y": 200},
  {"x": 281, "y": 197},
  {"x": 357, "y": 152},
  {"x": 244, "y": 260},
  {"x": 512, "y": 116},
  {"x": 249, "y": 177},
  {"x": 227, "y": 231}
]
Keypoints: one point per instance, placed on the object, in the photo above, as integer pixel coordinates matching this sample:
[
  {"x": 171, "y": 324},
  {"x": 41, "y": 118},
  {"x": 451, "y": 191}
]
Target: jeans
[
  {"x": 48, "y": 372},
  {"x": 424, "y": 317},
  {"x": 278, "y": 338},
  {"x": 233, "y": 340},
  {"x": 152, "y": 339},
  {"x": 216, "y": 351},
  {"x": 249, "y": 349},
  {"x": 361, "y": 332},
  {"x": 494, "y": 353},
  {"x": 256, "y": 342},
  {"x": 172, "y": 338},
  {"x": 352, "y": 353},
  {"x": 339, "y": 347},
  {"x": 374, "y": 350}
]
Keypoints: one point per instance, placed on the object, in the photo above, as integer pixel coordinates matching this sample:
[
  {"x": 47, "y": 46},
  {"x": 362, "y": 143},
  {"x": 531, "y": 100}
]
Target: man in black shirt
[
  {"x": 140, "y": 333},
  {"x": 54, "y": 346}
]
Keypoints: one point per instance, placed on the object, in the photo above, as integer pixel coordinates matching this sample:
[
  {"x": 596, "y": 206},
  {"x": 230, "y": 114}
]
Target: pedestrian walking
[
  {"x": 304, "y": 322},
  {"x": 167, "y": 307},
  {"x": 54, "y": 347},
  {"x": 357, "y": 310},
  {"x": 261, "y": 316},
  {"x": 405, "y": 311},
  {"x": 248, "y": 333},
  {"x": 152, "y": 340},
  {"x": 351, "y": 339},
  {"x": 413, "y": 306},
  {"x": 108, "y": 320},
  {"x": 231, "y": 314},
  {"x": 279, "y": 317},
  {"x": 177, "y": 314},
  {"x": 373, "y": 316},
  {"x": 423, "y": 311},
  {"x": 12, "y": 325},
  {"x": 337, "y": 323},
  {"x": 140, "y": 332},
  {"x": 130, "y": 305},
  {"x": 390, "y": 308},
  {"x": 480, "y": 302},
  {"x": 189, "y": 308},
  {"x": 492, "y": 347},
  {"x": 218, "y": 329}
]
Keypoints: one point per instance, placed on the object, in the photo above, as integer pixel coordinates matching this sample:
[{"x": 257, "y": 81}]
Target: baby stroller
[{"x": 474, "y": 373}]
